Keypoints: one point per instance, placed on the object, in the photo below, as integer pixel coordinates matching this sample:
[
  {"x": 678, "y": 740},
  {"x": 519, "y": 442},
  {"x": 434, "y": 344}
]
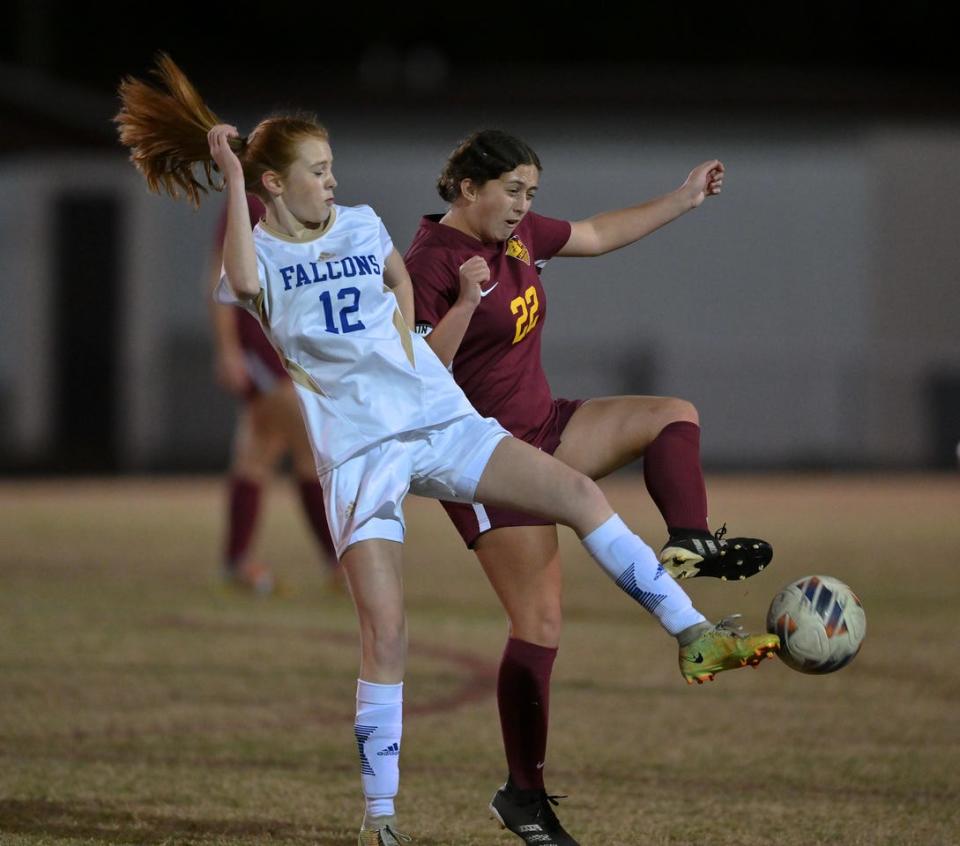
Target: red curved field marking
[{"x": 479, "y": 674}]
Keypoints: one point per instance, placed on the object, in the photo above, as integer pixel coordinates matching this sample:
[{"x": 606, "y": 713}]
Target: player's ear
[
  {"x": 468, "y": 189},
  {"x": 273, "y": 182}
]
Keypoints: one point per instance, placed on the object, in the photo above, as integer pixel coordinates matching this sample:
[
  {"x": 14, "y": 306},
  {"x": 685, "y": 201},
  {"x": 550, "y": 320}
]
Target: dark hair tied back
[{"x": 483, "y": 156}]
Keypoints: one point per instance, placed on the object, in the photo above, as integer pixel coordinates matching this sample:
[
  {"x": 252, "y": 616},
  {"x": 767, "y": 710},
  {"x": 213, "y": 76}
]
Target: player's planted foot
[
  {"x": 381, "y": 831},
  {"x": 252, "y": 577},
  {"x": 690, "y": 555},
  {"x": 725, "y": 646},
  {"x": 529, "y": 815}
]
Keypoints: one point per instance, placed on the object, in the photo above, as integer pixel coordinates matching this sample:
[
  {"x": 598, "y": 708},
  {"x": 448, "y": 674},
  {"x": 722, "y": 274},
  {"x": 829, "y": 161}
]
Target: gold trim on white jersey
[
  {"x": 404, "y": 332},
  {"x": 306, "y": 239},
  {"x": 301, "y": 377}
]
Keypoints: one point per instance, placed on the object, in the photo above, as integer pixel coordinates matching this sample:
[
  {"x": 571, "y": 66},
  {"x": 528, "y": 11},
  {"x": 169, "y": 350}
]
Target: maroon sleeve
[
  {"x": 435, "y": 287},
  {"x": 550, "y": 235},
  {"x": 255, "y": 209}
]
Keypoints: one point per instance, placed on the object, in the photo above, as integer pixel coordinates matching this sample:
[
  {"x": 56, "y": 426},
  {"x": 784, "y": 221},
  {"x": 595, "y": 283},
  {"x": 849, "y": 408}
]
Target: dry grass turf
[{"x": 141, "y": 703}]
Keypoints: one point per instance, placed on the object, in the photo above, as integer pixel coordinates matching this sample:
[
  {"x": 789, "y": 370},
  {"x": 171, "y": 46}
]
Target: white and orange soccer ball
[{"x": 820, "y": 622}]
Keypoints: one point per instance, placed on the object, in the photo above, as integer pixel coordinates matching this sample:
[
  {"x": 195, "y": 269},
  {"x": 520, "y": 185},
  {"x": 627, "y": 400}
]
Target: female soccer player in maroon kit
[
  {"x": 481, "y": 305},
  {"x": 269, "y": 426}
]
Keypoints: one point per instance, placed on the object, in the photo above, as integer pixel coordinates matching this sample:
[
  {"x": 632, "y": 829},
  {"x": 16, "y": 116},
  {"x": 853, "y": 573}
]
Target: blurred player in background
[
  {"x": 383, "y": 414},
  {"x": 269, "y": 426},
  {"x": 481, "y": 306}
]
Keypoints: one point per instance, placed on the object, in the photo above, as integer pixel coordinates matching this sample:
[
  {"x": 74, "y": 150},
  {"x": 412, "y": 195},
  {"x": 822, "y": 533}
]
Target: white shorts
[{"x": 364, "y": 494}]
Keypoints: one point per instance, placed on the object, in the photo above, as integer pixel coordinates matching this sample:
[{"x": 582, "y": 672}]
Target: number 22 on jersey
[{"x": 526, "y": 308}]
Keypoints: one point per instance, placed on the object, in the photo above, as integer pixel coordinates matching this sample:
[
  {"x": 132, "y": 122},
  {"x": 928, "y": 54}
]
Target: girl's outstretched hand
[{"x": 704, "y": 181}]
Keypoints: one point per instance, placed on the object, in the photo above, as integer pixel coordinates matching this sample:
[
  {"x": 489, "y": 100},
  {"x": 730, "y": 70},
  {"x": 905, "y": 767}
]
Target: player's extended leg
[
  {"x": 374, "y": 572},
  {"x": 257, "y": 446},
  {"x": 305, "y": 469},
  {"x": 519, "y": 476},
  {"x": 610, "y": 432},
  {"x": 523, "y": 566}
]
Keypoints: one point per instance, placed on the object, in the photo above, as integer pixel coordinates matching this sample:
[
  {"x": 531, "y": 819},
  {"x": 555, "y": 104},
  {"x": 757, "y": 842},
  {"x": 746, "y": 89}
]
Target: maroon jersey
[{"x": 498, "y": 363}]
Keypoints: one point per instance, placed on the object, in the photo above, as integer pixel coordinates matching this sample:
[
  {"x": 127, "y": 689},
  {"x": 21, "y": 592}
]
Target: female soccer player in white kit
[{"x": 384, "y": 415}]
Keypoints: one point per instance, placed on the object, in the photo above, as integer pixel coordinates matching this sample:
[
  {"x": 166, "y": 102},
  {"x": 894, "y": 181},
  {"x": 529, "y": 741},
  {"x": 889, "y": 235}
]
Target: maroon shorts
[
  {"x": 263, "y": 364},
  {"x": 472, "y": 520}
]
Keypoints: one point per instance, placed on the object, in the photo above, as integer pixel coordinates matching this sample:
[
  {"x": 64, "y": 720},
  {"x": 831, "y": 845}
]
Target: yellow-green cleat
[
  {"x": 725, "y": 646},
  {"x": 381, "y": 831}
]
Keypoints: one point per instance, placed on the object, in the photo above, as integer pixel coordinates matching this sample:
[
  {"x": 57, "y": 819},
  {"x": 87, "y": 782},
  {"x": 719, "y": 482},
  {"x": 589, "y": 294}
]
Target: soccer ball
[{"x": 820, "y": 622}]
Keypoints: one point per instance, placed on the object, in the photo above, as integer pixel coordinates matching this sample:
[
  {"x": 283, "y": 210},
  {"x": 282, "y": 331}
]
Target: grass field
[{"x": 141, "y": 703}]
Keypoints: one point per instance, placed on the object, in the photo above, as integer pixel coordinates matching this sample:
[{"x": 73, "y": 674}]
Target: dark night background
[
  {"x": 806, "y": 55},
  {"x": 842, "y": 98}
]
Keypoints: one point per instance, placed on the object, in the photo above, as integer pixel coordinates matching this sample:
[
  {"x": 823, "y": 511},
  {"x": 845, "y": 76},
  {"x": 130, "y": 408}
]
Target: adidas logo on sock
[{"x": 392, "y": 749}]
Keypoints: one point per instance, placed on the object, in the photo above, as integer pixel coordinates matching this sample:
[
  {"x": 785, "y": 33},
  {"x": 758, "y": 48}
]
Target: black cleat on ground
[
  {"x": 696, "y": 556},
  {"x": 529, "y": 815}
]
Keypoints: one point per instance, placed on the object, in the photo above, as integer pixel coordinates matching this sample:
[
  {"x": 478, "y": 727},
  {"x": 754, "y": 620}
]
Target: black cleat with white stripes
[
  {"x": 699, "y": 554},
  {"x": 529, "y": 815}
]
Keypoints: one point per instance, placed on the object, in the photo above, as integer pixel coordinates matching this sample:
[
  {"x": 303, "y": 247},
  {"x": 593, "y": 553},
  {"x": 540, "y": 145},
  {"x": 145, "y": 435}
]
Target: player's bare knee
[
  {"x": 585, "y": 498},
  {"x": 385, "y": 641},
  {"x": 264, "y": 452},
  {"x": 680, "y": 411},
  {"x": 547, "y": 626},
  {"x": 539, "y": 619}
]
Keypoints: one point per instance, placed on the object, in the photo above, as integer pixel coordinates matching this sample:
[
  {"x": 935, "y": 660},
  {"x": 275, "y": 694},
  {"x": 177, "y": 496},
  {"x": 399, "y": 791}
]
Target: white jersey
[{"x": 360, "y": 374}]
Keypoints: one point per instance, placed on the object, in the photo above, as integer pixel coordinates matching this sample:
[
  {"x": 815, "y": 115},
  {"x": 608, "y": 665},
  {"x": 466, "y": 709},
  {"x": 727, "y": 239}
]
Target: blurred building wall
[{"x": 807, "y": 311}]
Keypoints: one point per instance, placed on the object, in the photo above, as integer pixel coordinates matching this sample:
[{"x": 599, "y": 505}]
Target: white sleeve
[
  {"x": 386, "y": 242},
  {"x": 225, "y": 295}
]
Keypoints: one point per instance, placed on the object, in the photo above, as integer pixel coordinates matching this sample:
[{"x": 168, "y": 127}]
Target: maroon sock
[
  {"x": 523, "y": 697},
  {"x": 243, "y": 509},
  {"x": 671, "y": 469},
  {"x": 311, "y": 495}
]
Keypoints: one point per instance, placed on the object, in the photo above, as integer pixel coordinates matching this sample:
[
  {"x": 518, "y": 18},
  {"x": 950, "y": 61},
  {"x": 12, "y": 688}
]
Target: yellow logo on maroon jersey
[{"x": 516, "y": 249}]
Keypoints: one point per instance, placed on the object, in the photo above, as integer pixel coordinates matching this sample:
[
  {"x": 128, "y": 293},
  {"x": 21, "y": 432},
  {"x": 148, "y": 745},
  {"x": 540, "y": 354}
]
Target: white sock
[
  {"x": 378, "y": 727},
  {"x": 634, "y": 567}
]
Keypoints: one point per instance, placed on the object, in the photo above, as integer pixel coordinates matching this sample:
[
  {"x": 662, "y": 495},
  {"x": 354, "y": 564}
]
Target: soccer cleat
[
  {"x": 725, "y": 646},
  {"x": 691, "y": 556},
  {"x": 252, "y": 577},
  {"x": 381, "y": 831},
  {"x": 527, "y": 813}
]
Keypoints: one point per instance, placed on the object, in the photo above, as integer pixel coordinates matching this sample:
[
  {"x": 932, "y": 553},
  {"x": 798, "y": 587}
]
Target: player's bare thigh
[
  {"x": 521, "y": 477},
  {"x": 522, "y": 564},
  {"x": 609, "y": 432}
]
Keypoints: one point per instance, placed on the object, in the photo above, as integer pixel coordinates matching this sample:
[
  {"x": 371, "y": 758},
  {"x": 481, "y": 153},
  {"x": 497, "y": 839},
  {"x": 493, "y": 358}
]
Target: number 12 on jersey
[
  {"x": 344, "y": 311},
  {"x": 526, "y": 307}
]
